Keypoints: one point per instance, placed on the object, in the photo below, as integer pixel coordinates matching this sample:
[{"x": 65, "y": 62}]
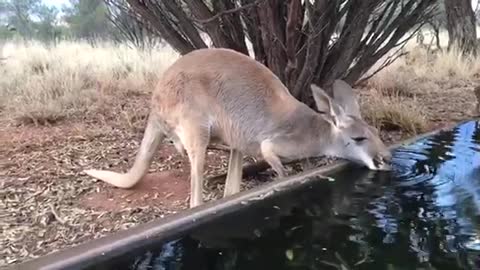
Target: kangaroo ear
[
  {"x": 324, "y": 102},
  {"x": 345, "y": 97}
]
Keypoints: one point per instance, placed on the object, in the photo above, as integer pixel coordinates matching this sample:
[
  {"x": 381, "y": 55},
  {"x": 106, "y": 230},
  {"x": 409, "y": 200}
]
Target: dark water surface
[{"x": 423, "y": 215}]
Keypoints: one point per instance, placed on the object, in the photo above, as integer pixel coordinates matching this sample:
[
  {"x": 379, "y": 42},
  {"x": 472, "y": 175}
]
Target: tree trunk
[{"x": 461, "y": 26}]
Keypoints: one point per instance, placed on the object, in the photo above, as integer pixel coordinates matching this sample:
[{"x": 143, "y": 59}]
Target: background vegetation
[{"x": 69, "y": 61}]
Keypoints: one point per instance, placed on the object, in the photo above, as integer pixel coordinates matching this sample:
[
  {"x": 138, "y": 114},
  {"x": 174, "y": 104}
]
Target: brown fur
[{"x": 221, "y": 95}]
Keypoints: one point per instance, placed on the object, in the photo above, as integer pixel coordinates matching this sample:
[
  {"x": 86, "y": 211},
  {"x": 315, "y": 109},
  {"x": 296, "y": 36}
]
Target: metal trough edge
[{"x": 120, "y": 242}]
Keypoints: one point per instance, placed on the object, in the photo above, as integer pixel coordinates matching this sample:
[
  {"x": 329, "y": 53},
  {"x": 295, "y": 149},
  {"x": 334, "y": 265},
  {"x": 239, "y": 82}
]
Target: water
[{"x": 423, "y": 215}]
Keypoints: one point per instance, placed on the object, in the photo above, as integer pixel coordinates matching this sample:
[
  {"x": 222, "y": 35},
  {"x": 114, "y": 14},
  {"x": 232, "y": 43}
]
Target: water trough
[{"x": 118, "y": 250}]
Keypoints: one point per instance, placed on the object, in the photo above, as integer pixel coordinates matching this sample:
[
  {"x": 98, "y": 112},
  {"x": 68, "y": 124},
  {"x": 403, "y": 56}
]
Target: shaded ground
[{"x": 46, "y": 203}]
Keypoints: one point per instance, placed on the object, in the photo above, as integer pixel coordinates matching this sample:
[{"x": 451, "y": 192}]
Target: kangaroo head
[{"x": 352, "y": 138}]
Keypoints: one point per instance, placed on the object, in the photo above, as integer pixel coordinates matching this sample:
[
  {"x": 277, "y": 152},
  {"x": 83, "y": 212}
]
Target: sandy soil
[{"x": 47, "y": 204}]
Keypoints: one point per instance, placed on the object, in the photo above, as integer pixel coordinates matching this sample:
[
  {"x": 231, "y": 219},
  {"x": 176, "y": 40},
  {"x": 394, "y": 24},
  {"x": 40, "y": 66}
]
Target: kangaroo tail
[{"x": 152, "y": 137}]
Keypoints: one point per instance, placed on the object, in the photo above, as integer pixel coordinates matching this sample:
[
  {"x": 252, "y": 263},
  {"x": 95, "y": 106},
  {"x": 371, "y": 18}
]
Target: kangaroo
[{"x": 220, "y": 95}]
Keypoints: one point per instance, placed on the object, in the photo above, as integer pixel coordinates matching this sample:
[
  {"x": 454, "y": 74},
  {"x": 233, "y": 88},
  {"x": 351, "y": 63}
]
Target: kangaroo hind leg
[
  {"x": 195, "y": 139},
  {"x": 234, "y": 173}
]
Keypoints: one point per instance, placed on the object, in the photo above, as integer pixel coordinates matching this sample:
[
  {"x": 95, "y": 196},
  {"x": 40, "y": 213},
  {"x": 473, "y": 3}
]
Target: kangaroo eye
[{"x": 359, "y": 139}]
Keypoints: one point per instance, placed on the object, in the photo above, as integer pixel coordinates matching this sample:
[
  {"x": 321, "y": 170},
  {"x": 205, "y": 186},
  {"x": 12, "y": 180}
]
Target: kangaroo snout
[{"x": 383, "y": 161}]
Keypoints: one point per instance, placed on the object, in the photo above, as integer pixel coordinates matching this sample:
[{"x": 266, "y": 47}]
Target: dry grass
[
  {"x": 421, "y": 71},
  {"x": 394, "y": 112},
  {"x": 42, "y": 85},
  {"x": 444, "y": 68},
  {"x": 389, "y": 82},
  {"x": 398, "y": 96}
]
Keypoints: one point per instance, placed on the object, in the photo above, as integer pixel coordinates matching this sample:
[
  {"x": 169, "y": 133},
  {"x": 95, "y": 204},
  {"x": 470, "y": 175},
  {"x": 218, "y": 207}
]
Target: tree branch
[
  {"x": 272, "y": 27},
  {"x": 229, "y": 11},
  {"x": 185, "y": 24},
  {"x": 230, "y": 24},
  {"x": 294, "y": 24},
  {"x": 163, "y": 26}
]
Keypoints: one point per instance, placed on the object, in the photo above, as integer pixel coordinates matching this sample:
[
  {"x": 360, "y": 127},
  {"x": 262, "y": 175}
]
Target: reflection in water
[{"x": 423, "y": 215}]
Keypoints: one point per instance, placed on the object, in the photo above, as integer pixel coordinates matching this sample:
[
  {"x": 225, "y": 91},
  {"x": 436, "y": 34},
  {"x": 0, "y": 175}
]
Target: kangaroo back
[{"x": 239, "y": 99}]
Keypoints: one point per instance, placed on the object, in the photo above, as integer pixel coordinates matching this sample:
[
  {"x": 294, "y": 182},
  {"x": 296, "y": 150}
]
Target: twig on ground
[{"x": 56, "y": 215}]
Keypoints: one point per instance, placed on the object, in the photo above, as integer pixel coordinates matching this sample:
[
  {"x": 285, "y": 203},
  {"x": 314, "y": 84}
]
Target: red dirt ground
[
  {"x": 166, "y": 187},
  {"x": 163, "y": 189}
]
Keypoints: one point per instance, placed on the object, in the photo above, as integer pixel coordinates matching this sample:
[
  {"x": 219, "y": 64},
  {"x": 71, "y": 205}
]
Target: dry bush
[
  {"x": 41, "y": 84},
  {"x": 392, "y": 82},
  {"x": 395, "y": 96},
  {"x": 443, "y": 67},
  {"x": 393, "y": 112},
  {"x": 423, "y": 70},
  {"x": 451, "y": 66}
]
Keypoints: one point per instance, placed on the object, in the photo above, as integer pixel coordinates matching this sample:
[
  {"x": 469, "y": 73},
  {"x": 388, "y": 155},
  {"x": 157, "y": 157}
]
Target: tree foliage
[
  {"x": 87, "y": 19},
  {"x": 46, "y": 26},
  {"x": 301, "y": 42},
  {"x": 33, "y": 19},
  {"x": 130, "y": 28},
  {"x": 19, "y": 14},
  {"x": 29, "y": 19}
]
